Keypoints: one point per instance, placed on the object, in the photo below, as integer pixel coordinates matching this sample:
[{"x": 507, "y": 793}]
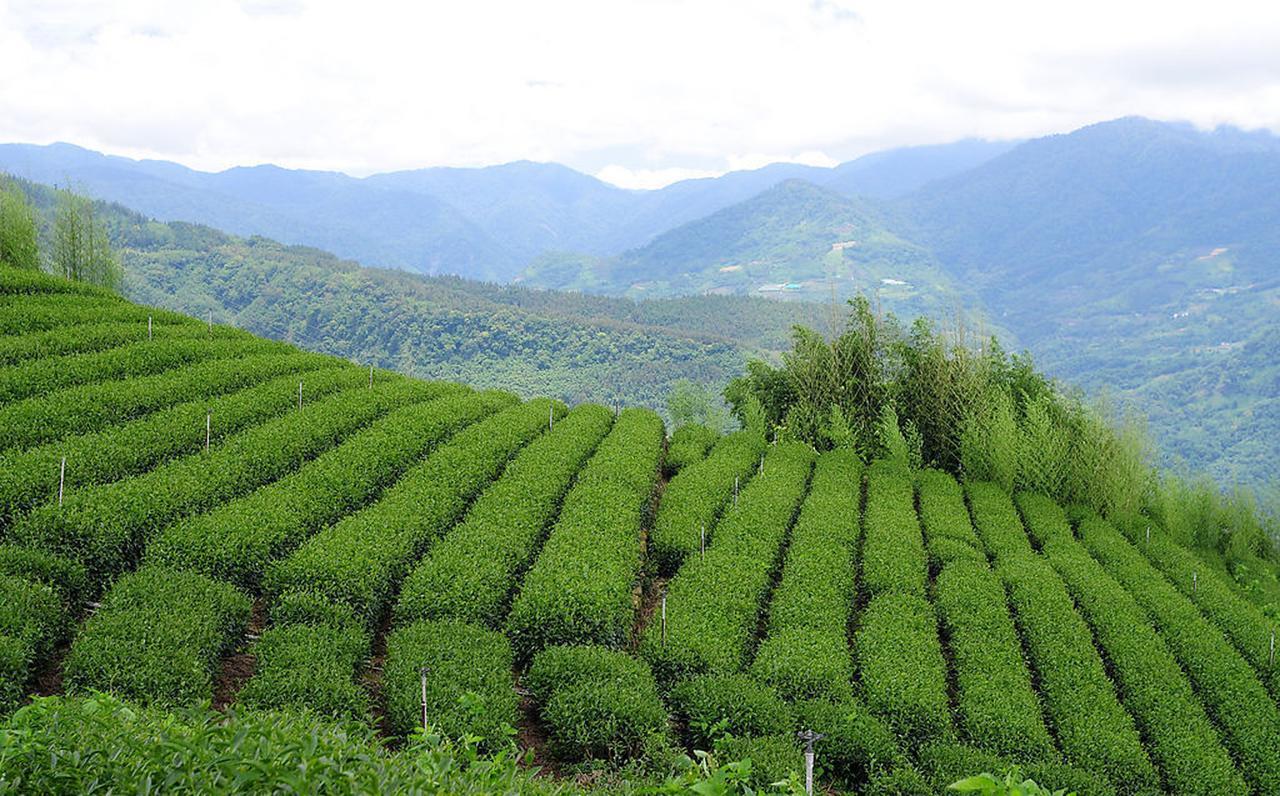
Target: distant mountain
[{"x": 897, "y": 172}]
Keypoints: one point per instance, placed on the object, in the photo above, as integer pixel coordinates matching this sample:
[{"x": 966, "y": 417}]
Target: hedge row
[
  {"x": 1043, "y": 518},
  {"x": 468, "y": 574},
  {"x": 1247, "y": 627},
  {"x": 469, "y": 689},
  {"x": 948, "y": 533},
  {"x": 23, "y": 282},
  {"x": 695, "y": 498},
  {"x": 1224, "y": 680},
  {"x": 360, "y": 561},
  {"x": 774, "y": 758},
  {"x": 32, "y": 619},
  {"x": 945, "y": 763},
  {"x": 106, "y": 527},
  {"x": 66, "y": 577},
  {"x": 92, "y": 407},
  {"x": 714, "y": 603},
  {"x": 1179, "y": 734},
  {"x": 713, "y": 705},
  {"x": 855, "y": 747},
  {"x": 132, "y": 361},
  {"x": 998, "y": 710},
  {"x": 688, "y": 445},
  {"x": 30, "y": 477},
  {"x": 900, "y": 663},
  {"x": 580, "y": 588},
  {"x": 20, "y": 315},
  {"x": 806, "y": 653},
  {"x": 94, "y": 337},
  {"x": 893, "y": 559},
  {"x": 157, "y": 638},
  {"x": 237, "y": 540},
  {"x": 996, "y": 521},
  {"x": 310, "y": 667},
  {"x": 1094, "y": 732},
  {"x": 597, "y": 703}
]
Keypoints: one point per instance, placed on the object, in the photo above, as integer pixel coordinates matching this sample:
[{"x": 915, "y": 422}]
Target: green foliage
[
  {"x": 696, "y": 497},
  {"x": 775, "y": 759},
  {"x": 1011, "y": 785},
  {"x": 32, "y": 620},
  {"x": 470, "y": 573},
  {"x": 19, "y": 233},
  {"x": 715, "y": 705},
  {"x": 157, "y": 638},
  {"x": 945, "y": 763},
  {"x": 238, "y": 540},
  {"x": 597, "y": 703},
  {"x": 98, "y": 744},
  {"x": 893, "y": 557},
  {"x": 64, "y": 576},
  {"x": 691, "y": 403},
  {"x": 580, "y": 588},
  {"x": 901, "y": 667},
  {"x": 996, "y": 521},
  {"x": 948, "y": 534},
  {"x": 93, "y": 338},
  {"x": 309, "y": 667},
  {"x": 997, "y": 709},
  {"x": 855, "y": 745},
  {"x": 30, "y": 477},
  {"x": 1224, "y": 681},
  {"x": 1179, "y": 734},
  {"x": 105, "y": 527},
  {"x": 806, "y": 652},
  {"x": 311, "y": 608},
  {"x": 714, "y": 601},
  {"x": 468, "y": 681},
  {"x": 990, "y": 442},
  {"x": 688, "y": 445},
  {"x": 892, "y": 445},
  {"x": 81, "y": 248},
  {"x": 145, "y": 358},
  {"x": 1094, "y": 732}
]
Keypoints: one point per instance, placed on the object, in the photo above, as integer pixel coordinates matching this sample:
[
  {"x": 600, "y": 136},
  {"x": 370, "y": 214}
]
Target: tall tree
[
  {"x": 18, "y": 232},
  {"x": 81, "y": 248}
]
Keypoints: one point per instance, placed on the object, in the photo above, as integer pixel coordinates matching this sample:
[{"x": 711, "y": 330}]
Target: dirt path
[{"x": 238, "y": 667}]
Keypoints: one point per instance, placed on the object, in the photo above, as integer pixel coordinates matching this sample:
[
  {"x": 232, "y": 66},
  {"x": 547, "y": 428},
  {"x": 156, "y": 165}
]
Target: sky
[{"x": 639, "y": 93}]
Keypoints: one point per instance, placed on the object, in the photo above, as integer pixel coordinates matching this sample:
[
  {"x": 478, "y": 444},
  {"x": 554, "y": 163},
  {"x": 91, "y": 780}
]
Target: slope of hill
[{"x": 250, "y": 541}]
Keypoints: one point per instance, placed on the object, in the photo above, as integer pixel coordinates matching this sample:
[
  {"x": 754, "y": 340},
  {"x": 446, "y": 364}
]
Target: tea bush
[
  {"x": 893, "y": 559},
  {"x": 901, "y": 667},
  {"x": 714, "y": 705},
  {"x": 688, "y": 444}
]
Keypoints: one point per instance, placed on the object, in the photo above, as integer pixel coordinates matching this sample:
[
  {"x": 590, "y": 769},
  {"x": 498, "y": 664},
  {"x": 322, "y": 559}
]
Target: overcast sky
[{"x": 638, "y": 93}]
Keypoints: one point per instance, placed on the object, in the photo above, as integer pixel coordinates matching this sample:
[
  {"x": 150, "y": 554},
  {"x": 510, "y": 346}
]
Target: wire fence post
[{"x": 62, "y": 479}]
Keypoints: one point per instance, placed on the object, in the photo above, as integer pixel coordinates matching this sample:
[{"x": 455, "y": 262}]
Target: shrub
[
  {"x": 945, "y": 763},
  {"x": 598, "y": 703},
  {"x": 580, "y": 588},
  {"x": 697, "y": 496},
  {"x": 1247, "y": 627},
  {"x": 1042, "y": 518},
  {"x": 774, "y": 758},
  {"x": 15, "y": 671},
  {"x": 806, "y": 664},
  {"x": 157, "y": 638},
  {"x": 948, "y": 533},
  {"x": 360, "y": 560},
  {"x": 901, "y": 665},
  {"x": 31, "y": 612},
  {"x": 309, "y": 667},
  {"x": 715, "y": 705},
  {"x": 30, "y": 477},
  {"x": 468, "y": 574},
  {"x": 105, "y": 527},
  {"x": 26, "y": 313},
  {"x": 468, "y": 681},
  {"x": 855, "y": 744},
  {"x": 688, "y": 445},
  {"x": 64, "y": 576},
  {"x": 92, "y": 407},
  {"x": 714, "y": 602},
  {"x": 236, "y": 541},
  {"x": 893, "y": 549},
  {"x": 902, "y": 780},
  {"x": 997, "y": 707},
  {"x": 996, "y": 521},
  {"x": 98, "y": 337},
  {"x": 43, "y": 376},
  {"x": 1179, "y": 734},
  {"x": 311, "y": 608},
  {"x": 1093, "y": 730},
  {"x": 1224, "y": 681}
]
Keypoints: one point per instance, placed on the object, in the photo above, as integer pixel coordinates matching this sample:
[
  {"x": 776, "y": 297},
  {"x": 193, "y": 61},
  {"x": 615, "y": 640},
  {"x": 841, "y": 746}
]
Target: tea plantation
[{"x": 229, "y": 565}]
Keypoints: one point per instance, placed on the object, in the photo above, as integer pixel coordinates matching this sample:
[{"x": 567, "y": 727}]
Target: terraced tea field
[{"x": 194, "y": 518}]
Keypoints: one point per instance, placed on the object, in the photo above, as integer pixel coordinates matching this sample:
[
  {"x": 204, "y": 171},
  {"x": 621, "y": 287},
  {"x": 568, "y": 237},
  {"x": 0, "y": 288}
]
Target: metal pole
[
  {"x": 735, "y": 491},
  {"x": 423, "y": 673},
  {"x": 148, "y": 327},
  {"x": 664, "y": 620},
  {"x": 62, "y": 479},
  {"x": 1194, "y": 582},
  {"x": 211, "y": 320},
  {"x": 1148, "y": 534},
  {"x": 703, "y": 540},
  {"x": 551, "y": 417},
  {"x": 809, "y": 737},
  {"x": 299, "y": 395},
  {"x": 208, "y": 426},
  {"x": 371, "y": 376},
  {"x": 1271, "y": 659}
]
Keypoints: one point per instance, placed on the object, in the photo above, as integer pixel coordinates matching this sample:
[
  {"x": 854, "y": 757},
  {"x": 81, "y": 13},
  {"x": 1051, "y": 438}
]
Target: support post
[
  {"x": 808, "y": 737},
  {"x": 62, "y": 479},
  {"x": 208, "y": 427},
  {"x": 664, "y": 620},
  {"x": 702, "y": 540},
  {"x": 371, "y": 375},
  {"x": 422, "y": 672},
  {"x": 148, "y": 327},
  {"x": 299, "y": 395},
  {"x": 1271, "y": 658}
]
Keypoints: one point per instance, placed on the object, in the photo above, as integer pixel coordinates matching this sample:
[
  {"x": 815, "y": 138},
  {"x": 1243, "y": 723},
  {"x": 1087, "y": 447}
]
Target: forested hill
[{"x": 570, "y": 346}]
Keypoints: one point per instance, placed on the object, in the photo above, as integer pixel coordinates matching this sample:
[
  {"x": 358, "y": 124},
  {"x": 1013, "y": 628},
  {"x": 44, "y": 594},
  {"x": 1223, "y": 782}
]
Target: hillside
[{"x": 191, "y": 515}]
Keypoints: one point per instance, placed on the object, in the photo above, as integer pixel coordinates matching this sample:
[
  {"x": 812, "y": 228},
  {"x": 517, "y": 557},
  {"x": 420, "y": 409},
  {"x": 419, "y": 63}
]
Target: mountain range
[{"x": 1134, "y": 257}]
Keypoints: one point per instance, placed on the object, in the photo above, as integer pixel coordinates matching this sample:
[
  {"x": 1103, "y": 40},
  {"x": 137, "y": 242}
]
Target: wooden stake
[
  {"x": 62, "y": 479},
  {"x": 208, "y": 427}
]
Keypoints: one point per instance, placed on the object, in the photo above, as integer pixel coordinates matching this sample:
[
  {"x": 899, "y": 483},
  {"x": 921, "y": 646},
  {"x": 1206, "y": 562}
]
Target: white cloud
[{"x": 684, "y": 88}]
